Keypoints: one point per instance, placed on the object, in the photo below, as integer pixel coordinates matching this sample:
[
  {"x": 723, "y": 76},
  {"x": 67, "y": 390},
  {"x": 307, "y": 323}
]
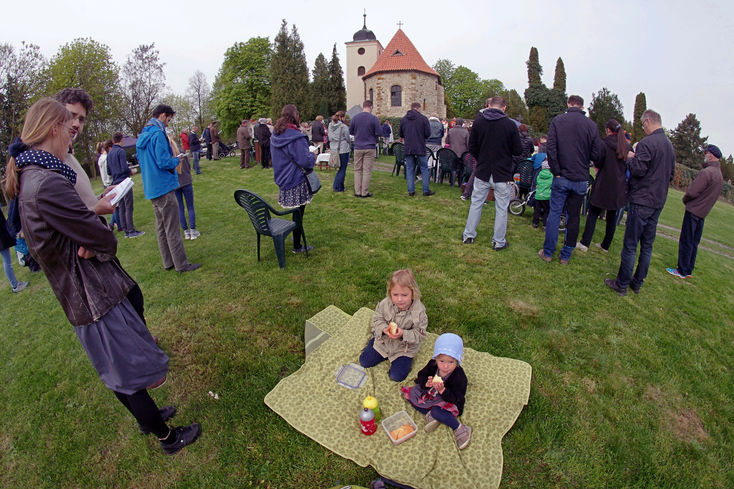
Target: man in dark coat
[
  {"x": 573, "y": 142},
  {"x": 119, "y": 171},
  {"x": 318, "y": 132},
  {"x": 262, "y": 134},
  {"x": 414, "y": 129},
  {"x": 493, "y": 141},
  {"x": 651, "y": 168}
]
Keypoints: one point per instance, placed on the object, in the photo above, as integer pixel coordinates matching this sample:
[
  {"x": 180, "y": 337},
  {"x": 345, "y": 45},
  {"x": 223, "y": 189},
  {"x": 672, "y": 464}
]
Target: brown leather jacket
[{"x": 55, "y": 224}]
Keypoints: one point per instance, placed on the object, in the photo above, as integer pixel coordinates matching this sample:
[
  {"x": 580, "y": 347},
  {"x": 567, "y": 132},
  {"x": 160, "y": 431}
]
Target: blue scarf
[{"x": 25, "y": 156}]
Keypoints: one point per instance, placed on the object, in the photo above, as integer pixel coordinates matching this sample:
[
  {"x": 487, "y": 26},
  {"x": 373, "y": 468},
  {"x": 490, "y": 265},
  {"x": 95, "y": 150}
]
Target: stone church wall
[{"x": 416, "y": 87}]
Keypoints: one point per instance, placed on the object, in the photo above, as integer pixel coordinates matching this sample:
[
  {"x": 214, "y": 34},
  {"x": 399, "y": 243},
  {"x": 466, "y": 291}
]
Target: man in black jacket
[
  {"x": 651, "y": 169},
  {"x": 119, "y": 171},
  {"x": 493, "y": 141},
  {"x": 414, "y": 129},
  {"x": 573, "y": 141}
]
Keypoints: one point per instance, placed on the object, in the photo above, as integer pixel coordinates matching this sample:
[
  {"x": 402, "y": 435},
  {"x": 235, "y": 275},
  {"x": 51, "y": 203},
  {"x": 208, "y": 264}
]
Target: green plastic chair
[
  {"x": 447, "y": 161},
  {"x": 399, "y": 151},
  {"x": 264, "y": 224}
]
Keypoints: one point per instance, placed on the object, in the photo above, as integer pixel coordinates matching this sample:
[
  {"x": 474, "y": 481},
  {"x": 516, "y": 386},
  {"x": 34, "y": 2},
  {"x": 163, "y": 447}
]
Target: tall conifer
[
  {"x": 337, "y": 94},
  {"x": 288, "y": 71},
  {"x": 640, "y": 107}
]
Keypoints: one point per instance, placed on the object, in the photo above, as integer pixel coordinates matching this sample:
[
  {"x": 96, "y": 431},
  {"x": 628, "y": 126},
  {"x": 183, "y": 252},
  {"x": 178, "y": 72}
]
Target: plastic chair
[
  {"x": 398, "y": 150},
  {"x": 259, "y": 212},
  {"x": 447, "y": 160}
]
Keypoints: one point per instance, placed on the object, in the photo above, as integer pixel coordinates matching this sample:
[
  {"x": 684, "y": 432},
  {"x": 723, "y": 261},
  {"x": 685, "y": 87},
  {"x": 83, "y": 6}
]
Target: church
[{"x": 392, "y": 77}]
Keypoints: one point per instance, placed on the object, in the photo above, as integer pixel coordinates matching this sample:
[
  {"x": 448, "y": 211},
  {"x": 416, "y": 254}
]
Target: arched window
[
  {"x": 371, "y": 95},
  {"x": 360, "y": 71},
  {"x": 396, "y": 96}
]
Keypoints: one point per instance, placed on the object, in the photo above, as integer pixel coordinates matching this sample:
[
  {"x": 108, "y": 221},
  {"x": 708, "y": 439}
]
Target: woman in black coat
[{"x": 610, "y": 190}]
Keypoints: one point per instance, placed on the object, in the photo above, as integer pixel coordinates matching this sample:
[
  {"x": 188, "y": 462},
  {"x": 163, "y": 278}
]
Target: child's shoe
[
  {"x": 431, "y": 422},
  {"x": 463, "y": 435}
]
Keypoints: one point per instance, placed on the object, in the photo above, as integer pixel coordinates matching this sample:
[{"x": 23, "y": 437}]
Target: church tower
[{"x": 362, "y": 52}]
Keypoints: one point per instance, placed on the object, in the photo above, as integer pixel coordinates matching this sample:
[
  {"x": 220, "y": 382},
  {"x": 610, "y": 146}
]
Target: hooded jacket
[
  {"x": 414, "y": 129},
  {"x": 157, "y": 162},
  {"x": 437, "y": 131},
  {"x": 494, "y": 140},
  {"x": 339, "y": 137},
  {"x": 289, "y": 151},
  {"x": 705, "y": 189},
  {"x": 573, "y": 143}
]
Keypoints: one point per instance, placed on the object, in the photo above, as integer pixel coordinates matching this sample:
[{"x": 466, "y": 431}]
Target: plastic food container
[
  {"x": 351, "y": 376},
  {"x": 397, "y": 420}
]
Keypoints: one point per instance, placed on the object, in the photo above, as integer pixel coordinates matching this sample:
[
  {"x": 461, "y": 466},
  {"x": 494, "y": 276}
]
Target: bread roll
[
  {"x": 393, "y": 328},
  {"x": 404, "y": 430}
]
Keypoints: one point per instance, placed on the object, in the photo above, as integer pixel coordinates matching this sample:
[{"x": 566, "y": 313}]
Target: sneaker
[
  {"x": 193, "y": 233},
  {"x": 20, "y": 286},
  {"x": 598, "y": 245},
  {"x": 167, "y": 412},
  {"x": 674, "y": 272},
  {"x": 187, "y": 234},
  {"x": 429, "y": 193},
  {"x": 542, "y": 256},
  {"x": 463, "y": 197},
  {"x": 184, "y": 435},
  {"x": 582, "y": 247},
  {"x": 612, "y": 284},
  {"x": 134, "y": 234},
  {"x": 463, "y": 435},
  {"x": 468, "y": 241},
  {"x": 431, "y": 422},
  {"x": 302, "y": 249},
  {"x": 499, "y": 247},
  {"x": 411, "y": 194},
  {"x": 562, "y": 261},
  {"x": 190, "y": 267}
]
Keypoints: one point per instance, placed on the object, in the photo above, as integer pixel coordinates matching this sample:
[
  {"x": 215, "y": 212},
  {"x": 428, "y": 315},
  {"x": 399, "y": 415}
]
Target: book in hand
[{"x": 120, "y": 190}]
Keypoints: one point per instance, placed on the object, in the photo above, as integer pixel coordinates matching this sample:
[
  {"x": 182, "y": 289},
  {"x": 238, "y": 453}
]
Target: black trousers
[
  {"x": 611, "y": 220},
  {"x": 145, "y": 411},
  {"x": 690, "y": 236},
  {"x": 297, "y": 232}
]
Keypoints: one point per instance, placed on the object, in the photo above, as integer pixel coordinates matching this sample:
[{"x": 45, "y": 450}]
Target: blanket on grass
[{"x": 312, "y": 402}]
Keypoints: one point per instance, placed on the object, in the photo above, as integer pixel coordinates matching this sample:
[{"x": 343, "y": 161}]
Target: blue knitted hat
[{"x": 449, "y": 344}]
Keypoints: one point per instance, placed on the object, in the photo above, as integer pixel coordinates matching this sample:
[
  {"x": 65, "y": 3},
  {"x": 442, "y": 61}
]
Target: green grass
[{"x": 632, "y": 392}]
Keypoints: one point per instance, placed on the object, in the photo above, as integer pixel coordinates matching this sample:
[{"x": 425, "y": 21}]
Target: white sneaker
[
  {"x": 187, "y": 234},
  {"x": 193, "y": 233},
  {"x": 581, "y": 247},
  {"x": 20, "y": 286}
]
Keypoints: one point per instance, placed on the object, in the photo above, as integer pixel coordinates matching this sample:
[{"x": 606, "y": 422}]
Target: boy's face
[{"x": 446, "y": 365}]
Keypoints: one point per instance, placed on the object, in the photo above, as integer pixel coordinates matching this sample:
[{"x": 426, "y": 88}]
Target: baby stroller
[
  {"x": 522, "y": 187},
  {"x": 225, "y": 150}
]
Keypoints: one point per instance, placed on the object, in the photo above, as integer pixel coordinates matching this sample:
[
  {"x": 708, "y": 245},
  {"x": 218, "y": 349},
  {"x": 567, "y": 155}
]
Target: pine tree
[
  {"x": 288, "y": 71},
  {"x": 640, "y": 107},
  {"x": 605, "y": 105},
  {"x": 319, "y": 90},
  {"x": 538, "y": 120},
  {"x": 534, "y": 68},
  {"x": 559, "y": 80},
  {"x": 688, "y": 142},
  {"x": 337, "y": 94},
  {"x": 537, "y": 96}
]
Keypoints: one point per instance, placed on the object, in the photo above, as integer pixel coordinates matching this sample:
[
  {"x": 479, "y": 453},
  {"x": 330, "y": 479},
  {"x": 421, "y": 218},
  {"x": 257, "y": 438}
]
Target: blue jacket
[
  {"x": 365, "y": 128},
  {"x": 414, "y": 129},
  {"x": 286, "y": 149},
  {"x": 117, "y": 164},
  {"x": 157, "y": 162}
]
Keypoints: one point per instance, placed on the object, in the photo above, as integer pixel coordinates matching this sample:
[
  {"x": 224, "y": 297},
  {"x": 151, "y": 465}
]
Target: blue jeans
[
  {"x": 8, "y": 266},
  {"x": 186, "y": 192},
  {"x": 196, "y": 155},
  {"x": 641, "y": 225},
  {"x": 501, "y": 203},
  {"x": 399, "y": 368},
  {"x": 341, "y": 173},
  {"x": 410, "y": 162},
  {"x": 441, "y": 415},
  {"x": 690, "y": 235},
  {"x": 566, "y": 194}
]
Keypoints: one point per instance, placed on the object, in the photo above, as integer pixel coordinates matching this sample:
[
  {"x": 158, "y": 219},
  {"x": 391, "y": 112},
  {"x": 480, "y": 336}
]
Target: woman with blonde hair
[
  {"x": 76, "y": 251},
  {"x": 185, "y": 191}
]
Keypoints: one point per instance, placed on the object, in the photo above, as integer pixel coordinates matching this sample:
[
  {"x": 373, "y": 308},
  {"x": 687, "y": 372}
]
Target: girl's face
[
  {"x": 446, "y": 365},
  {"x": 401, "y": 296}
]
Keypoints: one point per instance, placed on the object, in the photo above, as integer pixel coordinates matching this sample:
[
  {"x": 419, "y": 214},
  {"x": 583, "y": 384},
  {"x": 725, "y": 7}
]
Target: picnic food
[
  {"x": 404, "y": 430},
  {"x": 393, "y": 327},
  {"x": 437, "y": 380}
]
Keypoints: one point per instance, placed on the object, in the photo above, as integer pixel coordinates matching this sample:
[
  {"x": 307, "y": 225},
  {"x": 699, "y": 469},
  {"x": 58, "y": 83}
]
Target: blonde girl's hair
[
  {"x": 404, "y": 278},
  {"x": 175, "y": 149},
  {"x": 40, "y": 120}
]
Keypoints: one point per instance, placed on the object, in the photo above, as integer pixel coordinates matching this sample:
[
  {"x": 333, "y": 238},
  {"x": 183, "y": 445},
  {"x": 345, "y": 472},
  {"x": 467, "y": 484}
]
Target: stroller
[
  {"x": 225, "y": 150},
  {"x": 522, "y": 187}
]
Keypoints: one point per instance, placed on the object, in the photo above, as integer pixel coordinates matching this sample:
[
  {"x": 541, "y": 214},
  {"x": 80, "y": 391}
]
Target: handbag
[{"x": 312, "y": 180}]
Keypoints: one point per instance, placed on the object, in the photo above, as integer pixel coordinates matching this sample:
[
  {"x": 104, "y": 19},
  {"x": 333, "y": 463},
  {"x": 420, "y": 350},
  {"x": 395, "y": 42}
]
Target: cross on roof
[{"x": 400, "y": 24}]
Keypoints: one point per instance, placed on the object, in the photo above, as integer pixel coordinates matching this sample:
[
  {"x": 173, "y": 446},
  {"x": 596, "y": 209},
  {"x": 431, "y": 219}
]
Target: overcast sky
[{"x": 676, "y": 51}]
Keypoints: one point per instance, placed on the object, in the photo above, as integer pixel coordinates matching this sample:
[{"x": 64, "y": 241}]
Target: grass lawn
[{"x": 627, "y": 392}]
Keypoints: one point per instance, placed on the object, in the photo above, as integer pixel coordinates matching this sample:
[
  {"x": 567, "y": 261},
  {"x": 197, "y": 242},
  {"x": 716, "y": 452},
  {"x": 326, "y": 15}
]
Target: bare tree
[
  {"x": 199, "y": 93},
  {"x": 143, "y": 82}
]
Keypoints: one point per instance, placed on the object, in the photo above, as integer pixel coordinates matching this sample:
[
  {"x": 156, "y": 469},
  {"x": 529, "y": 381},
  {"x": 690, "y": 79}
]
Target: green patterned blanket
[{"x": 313, "y": 403}]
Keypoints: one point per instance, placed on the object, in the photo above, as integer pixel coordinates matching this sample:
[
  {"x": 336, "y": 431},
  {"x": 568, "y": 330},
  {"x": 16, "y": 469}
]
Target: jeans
[
  {"x": 196, "y": 155},
  {"x": 8, "y": 266},
  {"x": 569, "y": 194},
  {"x": 690, "y": 235},
  {"x": 399, "y": 368},
  {"x": 126, "y": 213},
  {"x": 186, "y": 193},
  {"x": 441, "y": 415},
  {"x": 410, "y": 161},
  {"x": 341, "y": 173},
  {"x": 641, "y": 225},
  {"x": 501, "y": 203},
  {"x": 611, "y": 220},
  {"x": 170, "y": 242}
]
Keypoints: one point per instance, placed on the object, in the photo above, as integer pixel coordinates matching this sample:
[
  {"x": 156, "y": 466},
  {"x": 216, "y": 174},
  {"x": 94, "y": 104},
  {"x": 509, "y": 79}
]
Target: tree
[
  {"x": 319, "y": 90},
  {"x": 688, "y": 142},
  {"x": 185, "y": 113},
  {"x": 557, "y": 98},
  {"x": 199, "y": 95},
  {"x": 21, "y": 81},
  {"x": 516, "y": 108},
  {"x": 537, "y": 119},
  {"x": 640, "y": 107},
  {"x": 559, "y": 79},
  {"x": 605, "y": 105},
  {"x": 336, "y": 93},
  {"x": 445, "y": 70},
  {"x": 87, "y": 64},
  {"x": 727, "y": 169},
  {"x": 537, "y": 96},
  {"x": 288, "y": 71},
  {"x": 467, "y": 92},
  {"x": 242, "y": 86},
  {"x": 142, "y": 83},
  {"x": 534, "y": 68}
]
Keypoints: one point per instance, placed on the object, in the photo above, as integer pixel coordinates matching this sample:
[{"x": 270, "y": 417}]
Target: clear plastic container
[
  {"x": 351, "y": 376},
  {"x": 397, "y": 420}
]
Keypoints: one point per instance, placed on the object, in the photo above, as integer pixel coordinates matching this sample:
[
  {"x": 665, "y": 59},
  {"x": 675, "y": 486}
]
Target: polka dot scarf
[{"x": 45, "y": 160}]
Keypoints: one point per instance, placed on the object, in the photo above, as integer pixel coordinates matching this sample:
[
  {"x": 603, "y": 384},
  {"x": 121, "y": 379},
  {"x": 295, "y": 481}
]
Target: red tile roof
[{"x": 400, "y": 55}]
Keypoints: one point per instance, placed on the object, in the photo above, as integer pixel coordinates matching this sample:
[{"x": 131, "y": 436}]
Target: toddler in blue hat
[{"x": 440, "y": 388}]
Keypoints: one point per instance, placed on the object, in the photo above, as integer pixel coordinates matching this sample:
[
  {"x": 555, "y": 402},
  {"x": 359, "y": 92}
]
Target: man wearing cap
[
  {"x": 214, "y": 133},
  {"x": 651, "y": 169},
  {"x": 699, "y": 200}
]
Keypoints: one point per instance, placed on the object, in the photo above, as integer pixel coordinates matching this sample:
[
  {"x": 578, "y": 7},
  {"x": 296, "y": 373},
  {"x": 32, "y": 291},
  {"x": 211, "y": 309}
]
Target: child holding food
[
  {"x": 440, "y": 388},
  {"x": 398, "y": 326}
]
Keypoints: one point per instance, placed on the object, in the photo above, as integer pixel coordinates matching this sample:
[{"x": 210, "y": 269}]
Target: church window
[
  {"x": 360, "y": 51},
  {"x": 396, "y": 96},
  {"x": 398, "y": 53},
  {"x": 360, "y": 71},
  {"x": 371, "y": 94}
]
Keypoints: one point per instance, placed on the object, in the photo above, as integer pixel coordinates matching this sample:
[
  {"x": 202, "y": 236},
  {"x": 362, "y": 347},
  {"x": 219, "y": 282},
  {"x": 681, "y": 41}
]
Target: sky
[{"x": 675, "y": 51}]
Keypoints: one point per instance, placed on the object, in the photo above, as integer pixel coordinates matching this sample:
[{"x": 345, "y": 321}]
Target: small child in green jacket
[{"x": 542, "y": 194}]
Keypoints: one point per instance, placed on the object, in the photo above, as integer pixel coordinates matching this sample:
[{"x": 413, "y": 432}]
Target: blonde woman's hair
[
  {"x": 175, "y": 149},
  {"x": 40, "y": 120},
  {"x": 404, "y": 278}
]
